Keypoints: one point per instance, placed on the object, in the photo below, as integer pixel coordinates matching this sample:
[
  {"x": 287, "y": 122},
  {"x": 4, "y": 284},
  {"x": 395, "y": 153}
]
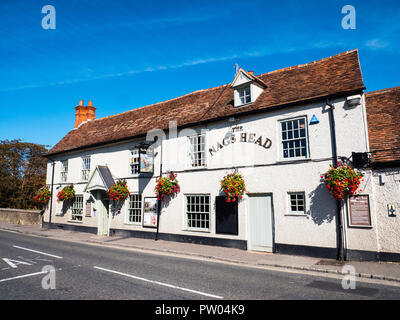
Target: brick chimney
[{"x": 84, "y": 113}]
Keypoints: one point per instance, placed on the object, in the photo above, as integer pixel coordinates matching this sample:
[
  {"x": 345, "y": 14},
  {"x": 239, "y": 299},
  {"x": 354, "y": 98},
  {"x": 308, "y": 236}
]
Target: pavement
[{"x": 386, "y": 271}]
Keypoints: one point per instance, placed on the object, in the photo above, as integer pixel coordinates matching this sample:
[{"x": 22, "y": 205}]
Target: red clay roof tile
[
  {"x": 338, "y": 74},
  {"x": 383, "y": 116}
]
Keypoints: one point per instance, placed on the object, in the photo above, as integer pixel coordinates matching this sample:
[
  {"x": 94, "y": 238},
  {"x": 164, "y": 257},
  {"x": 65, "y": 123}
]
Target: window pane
[
  {"x": 294, "y": 142},
  {"x": 197, "y": 214}
]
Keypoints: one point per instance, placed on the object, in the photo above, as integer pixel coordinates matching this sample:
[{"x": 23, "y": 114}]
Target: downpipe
[{"x": 339, "y": 223}]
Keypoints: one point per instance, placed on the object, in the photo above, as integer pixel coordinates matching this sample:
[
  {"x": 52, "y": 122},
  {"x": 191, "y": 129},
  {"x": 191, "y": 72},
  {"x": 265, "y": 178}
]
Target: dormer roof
[{"x": 242, "y": 77}]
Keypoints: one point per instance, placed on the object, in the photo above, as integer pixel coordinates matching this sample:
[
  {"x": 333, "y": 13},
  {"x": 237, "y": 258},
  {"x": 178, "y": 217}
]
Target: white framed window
[
  {"x": 197, "y": 151},
  {"x": 294, "y": 138},
  {"x": 64, "y": 170},
  {"x": 77, "y": 208},
  {"x": 244, "y": 95},
  {"x": 197, "y": 212},
  {"x": 134, "y": 214},
  {"x": 297, "y": 203},
  {"x": 134, "y": 161},
  {"x": 85, "y": 168}
]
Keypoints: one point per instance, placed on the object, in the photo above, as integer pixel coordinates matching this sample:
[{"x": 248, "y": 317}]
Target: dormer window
[
  {"x": 244, "y": 95},
  {"x": 246, "y": 87}
]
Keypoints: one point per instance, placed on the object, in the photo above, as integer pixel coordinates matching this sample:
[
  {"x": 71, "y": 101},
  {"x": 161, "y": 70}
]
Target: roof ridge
[
  {"x": 257, "y": 77},
  {"x": 153, "y": 104},
  {"x": 381, "y": 91},
  {"x": 311, "y": 63}
]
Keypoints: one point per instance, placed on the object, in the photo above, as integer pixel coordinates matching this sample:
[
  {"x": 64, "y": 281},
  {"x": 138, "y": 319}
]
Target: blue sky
[{"x": 125, "y": 54}]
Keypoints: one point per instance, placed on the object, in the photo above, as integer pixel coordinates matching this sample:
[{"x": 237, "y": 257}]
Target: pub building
[{"x": 280, "y": 130}]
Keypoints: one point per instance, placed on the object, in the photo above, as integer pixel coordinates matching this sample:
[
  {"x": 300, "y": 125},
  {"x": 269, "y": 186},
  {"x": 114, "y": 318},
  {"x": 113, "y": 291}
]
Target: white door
[
  {"x": 102, "y": 213},
  {"x": 260, "y": 234}
]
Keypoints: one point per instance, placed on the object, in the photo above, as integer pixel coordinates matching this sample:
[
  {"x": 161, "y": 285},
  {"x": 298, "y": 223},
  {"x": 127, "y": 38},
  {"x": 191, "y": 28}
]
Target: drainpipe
[
  {"x": 51, "y": 199},
  {"x": 159, "y": 201},
  {"x": 339, "y": 224}
]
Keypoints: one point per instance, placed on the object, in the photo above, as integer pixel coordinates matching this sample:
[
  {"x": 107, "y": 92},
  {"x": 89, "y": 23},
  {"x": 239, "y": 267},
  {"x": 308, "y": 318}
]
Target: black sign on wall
[{"x": 226, "y": 216}]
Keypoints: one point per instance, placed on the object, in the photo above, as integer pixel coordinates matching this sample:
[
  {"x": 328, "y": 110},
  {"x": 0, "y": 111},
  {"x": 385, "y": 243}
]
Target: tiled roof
[
  {"x": 383, "y": 115},
  {"x": 339, "y": 74}
]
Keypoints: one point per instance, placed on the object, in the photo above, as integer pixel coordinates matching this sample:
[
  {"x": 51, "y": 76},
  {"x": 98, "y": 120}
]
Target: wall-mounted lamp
[{"x": 354, "y": 101}]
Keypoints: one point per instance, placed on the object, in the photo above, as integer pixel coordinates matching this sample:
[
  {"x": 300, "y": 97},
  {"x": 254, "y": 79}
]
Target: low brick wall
[{"x": 21, "y": 216}]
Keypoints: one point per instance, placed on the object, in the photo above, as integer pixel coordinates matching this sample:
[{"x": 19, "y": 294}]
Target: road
[{"x": 93, "y": 272}]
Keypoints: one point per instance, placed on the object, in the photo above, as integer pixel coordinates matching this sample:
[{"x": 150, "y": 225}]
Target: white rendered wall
[{"x": 263, "y": 168}]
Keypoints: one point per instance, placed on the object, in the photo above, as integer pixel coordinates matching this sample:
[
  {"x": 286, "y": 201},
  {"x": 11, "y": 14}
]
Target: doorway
[
  {"x": 260, "y": 222},
  {"x": 102, "y": 207}
]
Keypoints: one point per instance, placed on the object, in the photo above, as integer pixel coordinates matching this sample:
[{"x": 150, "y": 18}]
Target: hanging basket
[
  {"x": 342, "y": 181},
  {"x": 234, "y": 187},
  {"x": 167, "y": 186},
  {"x": 43, "y": 196},
  {"x": 66, "y": 194},
  {"x": 119, "y": 191}
]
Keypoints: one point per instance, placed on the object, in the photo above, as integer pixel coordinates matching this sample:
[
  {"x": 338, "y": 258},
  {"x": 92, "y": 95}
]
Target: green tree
[{"x": 22, "y": 173}]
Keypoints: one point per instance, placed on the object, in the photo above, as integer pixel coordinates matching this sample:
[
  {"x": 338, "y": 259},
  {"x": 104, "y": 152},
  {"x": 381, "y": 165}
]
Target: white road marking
[
  {"x": 160, "y": 283},
  {"x": 13, "y": 263},
  {"x": 24, "y": 276},
  {"x": 46, "y": 254}
]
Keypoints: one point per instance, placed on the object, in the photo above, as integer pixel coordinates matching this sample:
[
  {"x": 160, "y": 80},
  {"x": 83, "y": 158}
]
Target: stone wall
[{"x": 21, "y": 216}]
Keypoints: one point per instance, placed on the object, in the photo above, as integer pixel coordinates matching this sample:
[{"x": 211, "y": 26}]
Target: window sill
[
  {"x": 296, "y": 214},
  {"x": 293, "y": 160},
  {"x": 243, "y": 105},
  {"x": 136, "y": 224},
  {"x": 196, "y": 168},
  {"x": 74, "y": 221},
  {"x": 197, "y": 230}
]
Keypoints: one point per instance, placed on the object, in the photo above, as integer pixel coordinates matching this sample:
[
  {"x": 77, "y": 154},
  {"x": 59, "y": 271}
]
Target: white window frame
[
  {"x": 239, "y": 93},
  {"x": 194, "y": 153},
  {"x": 77, "y": 209},
  {"x": 296, "y": 203},
  {"x": 64, "y": 170},
  {"x": 85, "y": 171},
  {"x": 201, "y": 211},
  {"x": 134, "y": 161},
  {"x": 242, "y": 94},
  {"x": 129, "y": 208},
  {"x": 282, "y": 141}
]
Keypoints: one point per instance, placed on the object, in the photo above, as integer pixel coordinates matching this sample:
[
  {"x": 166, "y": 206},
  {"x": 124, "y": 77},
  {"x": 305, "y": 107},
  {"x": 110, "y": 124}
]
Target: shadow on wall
[{"x": 322, "y": 205}]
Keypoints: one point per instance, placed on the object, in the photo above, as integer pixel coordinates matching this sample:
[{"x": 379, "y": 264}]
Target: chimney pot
[
  {"x": 84, "y": 113},
  {"x": 251, "y": 72}
]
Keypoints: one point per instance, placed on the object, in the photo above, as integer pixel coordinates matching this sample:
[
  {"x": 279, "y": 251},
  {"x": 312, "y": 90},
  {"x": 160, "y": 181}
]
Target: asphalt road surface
[{"x": 94, "y": 272}]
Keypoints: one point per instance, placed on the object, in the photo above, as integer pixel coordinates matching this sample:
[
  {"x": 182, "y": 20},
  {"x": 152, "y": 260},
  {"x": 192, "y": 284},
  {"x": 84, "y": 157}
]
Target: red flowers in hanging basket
[
  {"x": 43, "y": 196},
  {"x": 342, "y": 181},
  {"x": 119, "y": 191},
  {"x": 167, "y": 186},
  {"x": 67, "y": 193},
  {"x": 234, "y": 187}
]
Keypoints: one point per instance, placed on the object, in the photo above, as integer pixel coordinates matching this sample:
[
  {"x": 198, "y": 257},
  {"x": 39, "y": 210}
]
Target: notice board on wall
[
  {"x": 150, "y": 212},
  {"x": 359, "y": 211}
]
